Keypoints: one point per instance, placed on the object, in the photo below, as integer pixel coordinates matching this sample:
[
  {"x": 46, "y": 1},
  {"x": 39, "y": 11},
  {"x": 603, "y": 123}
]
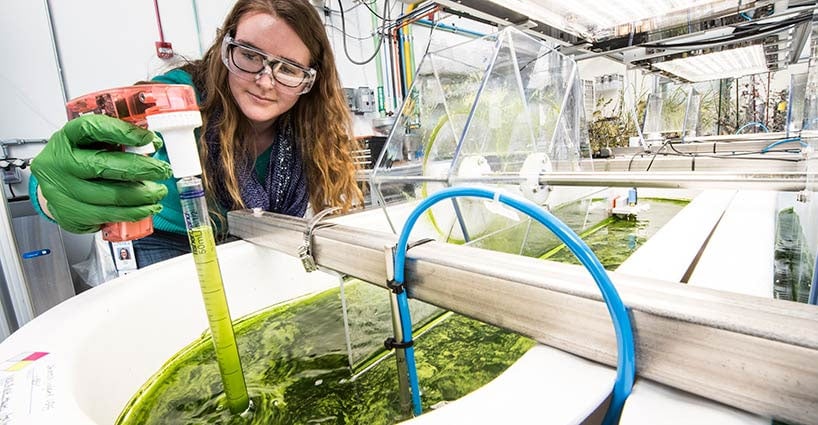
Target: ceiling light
[
  {"x": 590, "y": 17},
  {"x": 732, "y": 63},
  {"x": 616, "y": 12}
]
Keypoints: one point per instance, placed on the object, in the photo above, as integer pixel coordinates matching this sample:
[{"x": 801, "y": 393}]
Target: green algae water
[
  {"x": 297, "y": 365},
  {"x": 618, "y": 238},
  {"x": 297, "y": 370},
  {"x": 533, "y": 240},
  {"x": 612, "y": 239},
  {"x": 793, "y": 261}
]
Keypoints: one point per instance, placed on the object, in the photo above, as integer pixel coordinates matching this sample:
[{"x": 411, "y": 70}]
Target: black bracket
[
  {"x": 392, "y": 343},
  {"x": 396, "y": 287}
]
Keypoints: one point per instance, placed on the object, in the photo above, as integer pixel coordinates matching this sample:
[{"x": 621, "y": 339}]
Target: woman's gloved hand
[{"x": 86, "y": 183}]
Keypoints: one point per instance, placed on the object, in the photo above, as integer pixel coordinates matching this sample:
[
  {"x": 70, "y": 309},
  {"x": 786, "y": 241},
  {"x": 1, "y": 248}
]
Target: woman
[{"x": 276, "y": 135}]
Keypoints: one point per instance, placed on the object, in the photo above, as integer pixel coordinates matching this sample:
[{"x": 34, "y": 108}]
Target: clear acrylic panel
[
  {"x": 808, "y": 205},
  {"x": 368, "y": 318},
  {"x": 692, "y": 113},
  {"x": 497, "y": 110},
  {"x": 653, "y": 114},
  {"x": 795, "y": 103},
  {"x": 709, "y": 108},
  {"x": 666, "y": 109}
]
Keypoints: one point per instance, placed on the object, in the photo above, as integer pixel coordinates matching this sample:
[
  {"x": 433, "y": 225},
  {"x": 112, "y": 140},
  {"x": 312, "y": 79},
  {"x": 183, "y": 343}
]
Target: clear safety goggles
[{"x": 249, "y": 63}]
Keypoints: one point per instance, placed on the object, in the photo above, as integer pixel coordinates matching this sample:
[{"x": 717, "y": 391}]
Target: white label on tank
[{"x": 27, "y": 388}]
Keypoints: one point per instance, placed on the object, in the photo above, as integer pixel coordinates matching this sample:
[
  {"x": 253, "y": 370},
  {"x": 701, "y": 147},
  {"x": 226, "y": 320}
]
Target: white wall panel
[{"x": 31, "y": 102}]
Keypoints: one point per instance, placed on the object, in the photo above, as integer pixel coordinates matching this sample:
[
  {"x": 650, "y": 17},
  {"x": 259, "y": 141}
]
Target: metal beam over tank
[
  {"x": 786, "y": 181},
  {"x": 751, "y": 353}
]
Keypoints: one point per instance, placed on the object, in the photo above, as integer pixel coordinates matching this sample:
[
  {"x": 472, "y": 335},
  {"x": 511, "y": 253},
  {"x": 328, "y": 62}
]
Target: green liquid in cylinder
[{"x": 203, "y": 247}]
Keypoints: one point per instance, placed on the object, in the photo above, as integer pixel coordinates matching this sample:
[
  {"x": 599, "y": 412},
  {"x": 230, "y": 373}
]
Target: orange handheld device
[{"x": 134, "y": 104}]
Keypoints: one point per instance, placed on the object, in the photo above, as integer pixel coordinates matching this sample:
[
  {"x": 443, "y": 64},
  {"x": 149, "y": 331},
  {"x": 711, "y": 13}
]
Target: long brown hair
[{"x": 320, "y": 118}]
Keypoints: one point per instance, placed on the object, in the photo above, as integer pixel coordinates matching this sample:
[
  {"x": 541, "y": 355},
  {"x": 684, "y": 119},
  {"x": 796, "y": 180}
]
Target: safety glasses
[{"x": 249, "y": 63}]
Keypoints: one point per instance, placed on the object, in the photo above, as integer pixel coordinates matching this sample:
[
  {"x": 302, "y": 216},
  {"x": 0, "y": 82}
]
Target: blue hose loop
[
  {"x": 626, "y": 358},
  {"x": 781, "y": 142},
  {"x": 753, "y": 124}
]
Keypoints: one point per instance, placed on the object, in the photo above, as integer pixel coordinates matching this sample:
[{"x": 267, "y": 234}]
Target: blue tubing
[
  {"x": 449, "y": 28},
  {"x": 780, "y": 142},
  {"x": 753, "y": 124},
  {"x": 626, "y": 359}
]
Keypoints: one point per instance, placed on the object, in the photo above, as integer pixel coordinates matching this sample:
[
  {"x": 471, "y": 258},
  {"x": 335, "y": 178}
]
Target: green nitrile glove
[{"x": 86, "y": 184}]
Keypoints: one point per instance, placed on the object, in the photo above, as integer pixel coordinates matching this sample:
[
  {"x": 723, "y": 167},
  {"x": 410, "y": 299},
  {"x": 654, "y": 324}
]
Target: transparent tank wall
[
  {"x": 807, "y": 204},
  {"x": 796, "y": 239},
  {"x": 692, "y": 112},
  {"x": 748, "y": 105},
  {"x": 667, "y": 110},
  {"x": 499, "y": 110},
  {"x": 795, "y": 103}
]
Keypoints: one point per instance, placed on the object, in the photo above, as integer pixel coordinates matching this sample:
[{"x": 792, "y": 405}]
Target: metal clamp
[{"x": 305, "y": 250}]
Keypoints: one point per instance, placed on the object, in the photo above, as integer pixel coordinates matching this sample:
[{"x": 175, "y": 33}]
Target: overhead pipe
[{"x": 448, "y": 28}]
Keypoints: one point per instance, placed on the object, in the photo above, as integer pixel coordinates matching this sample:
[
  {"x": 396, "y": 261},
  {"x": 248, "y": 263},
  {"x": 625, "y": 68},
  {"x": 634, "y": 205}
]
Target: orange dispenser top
[{"x": 134, "y": 103}]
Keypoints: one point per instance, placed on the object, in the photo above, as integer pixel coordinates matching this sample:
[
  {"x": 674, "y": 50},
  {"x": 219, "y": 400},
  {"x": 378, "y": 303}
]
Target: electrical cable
[
  {"x": 626, "y": 351},
  {"x": 739, "y": 36},
  {"x": 731, "y": 155},
  {"x": 661, "y": 148},
  {"x": 349, "y": 35},
  {"x": 429, "y": 42},
  {"x": 344, "y": 38},
  {"x": 363, "y": 2},
  {"x": 739, "y": 155},
  {"x": 632, "y": 158},
  {"x": 782, "y": 141}
]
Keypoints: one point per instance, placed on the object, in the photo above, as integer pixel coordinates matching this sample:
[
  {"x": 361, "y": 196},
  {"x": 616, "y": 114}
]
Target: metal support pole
[
  {"x": 400, "y": 359},
  {"x": 400, "y": 353},
  {"x": 14, "y": 275}
]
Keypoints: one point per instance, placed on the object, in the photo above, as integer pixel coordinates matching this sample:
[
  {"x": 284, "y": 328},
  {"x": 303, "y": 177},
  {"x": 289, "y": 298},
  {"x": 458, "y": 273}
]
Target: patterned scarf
[{"x": 283, "y": 191}]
